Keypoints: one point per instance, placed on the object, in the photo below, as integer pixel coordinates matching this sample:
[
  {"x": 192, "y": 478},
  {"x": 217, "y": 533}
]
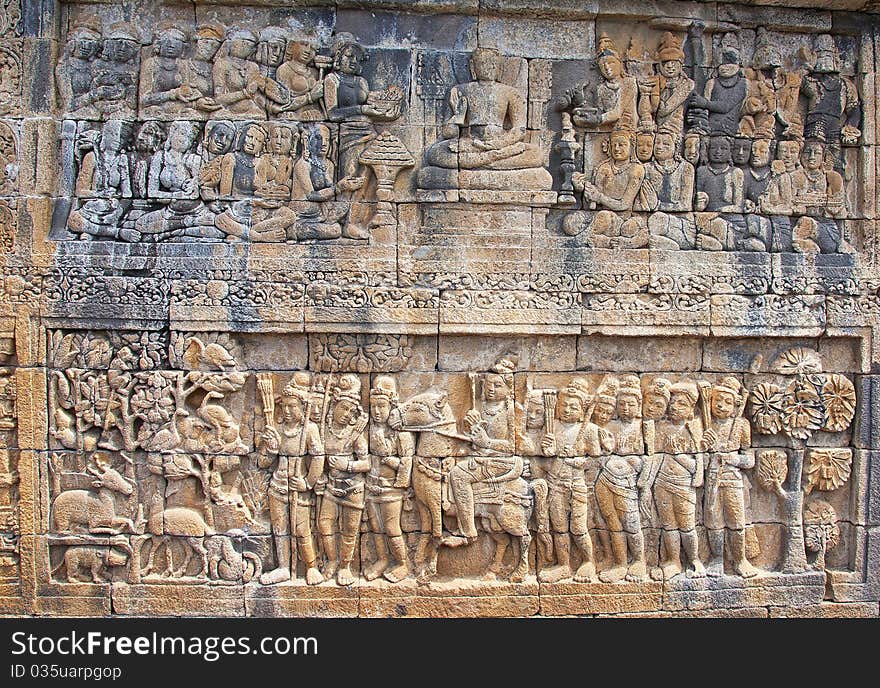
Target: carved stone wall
[{"x": 440, "y": 308}]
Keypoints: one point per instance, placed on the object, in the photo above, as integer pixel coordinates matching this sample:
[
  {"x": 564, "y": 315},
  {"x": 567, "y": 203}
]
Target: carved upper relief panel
[{"x": 674, "y": 136}]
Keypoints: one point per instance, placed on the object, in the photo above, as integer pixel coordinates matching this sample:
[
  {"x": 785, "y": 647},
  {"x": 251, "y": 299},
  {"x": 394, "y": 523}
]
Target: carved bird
[{"x": 212, "y": 354}]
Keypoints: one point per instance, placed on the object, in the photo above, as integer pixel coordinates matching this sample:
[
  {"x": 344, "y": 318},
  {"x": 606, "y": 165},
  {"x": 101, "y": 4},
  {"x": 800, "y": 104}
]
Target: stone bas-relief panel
[
  {"x": 170, "y": 463},
  {"x": 694, "y": 138},
  {"x": 322, "y": 311}
]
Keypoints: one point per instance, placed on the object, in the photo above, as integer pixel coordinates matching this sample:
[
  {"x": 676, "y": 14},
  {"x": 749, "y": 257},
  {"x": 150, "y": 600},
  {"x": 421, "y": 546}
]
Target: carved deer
[
  {"x": 94, "y": 511},
  {"x": 178, "y": 521}
]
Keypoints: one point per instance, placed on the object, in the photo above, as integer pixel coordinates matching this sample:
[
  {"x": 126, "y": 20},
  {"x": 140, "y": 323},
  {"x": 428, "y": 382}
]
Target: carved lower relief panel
[{"x": 179, "y": 480}]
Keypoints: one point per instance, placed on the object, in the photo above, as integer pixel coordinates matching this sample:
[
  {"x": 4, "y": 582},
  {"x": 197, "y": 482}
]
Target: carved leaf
[
  {"x": 767, "y": 403},
  {"x": 797, "y": 361},
  {"x": 772, "y": 468},
  {"x": 828, "y": 469},
  {"x": 839, "y": 396}
]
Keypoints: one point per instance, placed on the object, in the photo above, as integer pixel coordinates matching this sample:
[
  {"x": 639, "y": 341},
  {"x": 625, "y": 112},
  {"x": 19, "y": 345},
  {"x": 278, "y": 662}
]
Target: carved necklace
[{"x": 339, "y": 435}]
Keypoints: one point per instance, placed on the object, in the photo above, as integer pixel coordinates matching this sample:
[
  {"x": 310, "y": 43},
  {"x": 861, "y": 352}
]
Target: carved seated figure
[
  {"x": 174, "y": 181},
  {"x": 105, "y": 176},
  {"x": 718, "y": 198},
  {"x": 615, "y": 184},
  {"x": 668, "y": 190},
  {"x": 817, "y": 191},
  {"x": 477, "y": 150}
]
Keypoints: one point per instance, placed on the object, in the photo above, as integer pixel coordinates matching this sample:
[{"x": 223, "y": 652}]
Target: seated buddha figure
[{"x": 484, "y": 143}]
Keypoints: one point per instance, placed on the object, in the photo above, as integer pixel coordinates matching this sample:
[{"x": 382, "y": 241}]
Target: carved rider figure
[{"x": 491, "y": 431}]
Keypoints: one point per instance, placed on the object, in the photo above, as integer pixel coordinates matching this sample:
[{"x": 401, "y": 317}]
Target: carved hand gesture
[
  {"x": 338, "y": 463},
  {"x": 392, "y": 462},
  {"x": 471, "y": 418},
  {"x": 709, "y": 441},
  {"x": 299, "y": 484},
  {"x": 350, "y": 183},
  {"x": 271, "y": 439},
  {"x": 548, "y": 445},
  {"x": 480, "y": 437}
]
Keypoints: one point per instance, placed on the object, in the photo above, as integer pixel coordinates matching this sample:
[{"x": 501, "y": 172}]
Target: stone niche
[{"x": 451, "y": 309}]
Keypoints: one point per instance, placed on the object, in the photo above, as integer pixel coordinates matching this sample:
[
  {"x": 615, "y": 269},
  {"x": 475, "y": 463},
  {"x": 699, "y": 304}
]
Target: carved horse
[{"x": 504, "y": 516}]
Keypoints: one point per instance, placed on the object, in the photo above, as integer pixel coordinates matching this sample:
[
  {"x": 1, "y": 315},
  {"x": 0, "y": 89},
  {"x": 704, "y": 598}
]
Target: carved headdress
[
  {"x": 607, "y": 391},
  {"x": 505, "y": 364},
  {"x": 171, "y": 30},
  {"x": 384, "y": 386},
  {"x": 688, "y": 388},
  {"x": 348, "y": 387},
  {"x": 630, "y": 386},
  {"x": 88, "y": 28},
  {"x": 211, "y": 30},
  {"x": 767, "y": 55},
  {"x": 670, "y": 48},
  {"x": 579, "y": 388},
  {"x": 730, "y": 50},
  {"x": 729, "y": 385},
  {"x": 660, "y": 387},
  {"x": 123, "y": 31},
  {"x": 605, "y": 47},
  {"x": 298, "y": 387}
]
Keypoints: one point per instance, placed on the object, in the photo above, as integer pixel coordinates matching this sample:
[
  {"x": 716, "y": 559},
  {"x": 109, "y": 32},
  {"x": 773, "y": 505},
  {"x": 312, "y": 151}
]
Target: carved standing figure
[
  {"x": 567, "y": 449},
  {"x": 680, "y": 474},
  {"x": 728, "y": 440},
  {"x": 391, "y": 458},
  {"x": 293, "y": 443},
  {"x": 348, "y": 461},
  {"x": 620, "y": 481}
]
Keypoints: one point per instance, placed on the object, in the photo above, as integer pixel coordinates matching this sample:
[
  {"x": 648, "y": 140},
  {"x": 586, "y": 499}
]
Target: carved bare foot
[
  {"x": 397, "y": 573},
  {"x": 279, "y": 575},
  {"x": 376, "y": 569},
  {"x": 454, "y": 541},
  {"x": 715, "y": 568},
  {"x": 586, "y": 573},
  {"x": 518, "y": 575},
  {"x": 637, "y": 572},
  {"x": 329, "y": 571},
  {"x": 612, "y": 575},
  {"x": 555, "y": 574},
  {"x": 345, "y": 577},
  {"x": 314, "y": 576},
  {"x": 745, "y": 569},
  {"x": 697, "y": 570},
  {"x": 670, "y": 569}
]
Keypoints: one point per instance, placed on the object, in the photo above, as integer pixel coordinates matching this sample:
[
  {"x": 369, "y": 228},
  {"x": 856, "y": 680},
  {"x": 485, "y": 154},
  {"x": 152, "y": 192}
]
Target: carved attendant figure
[
  {"x": 295, "y": 442},
  {"x": 75, "y": 72},
  {"x": 729, "y": 440},
  {"x": 619, "y": 482},
  {"x": 568, "y": 449},
  {"x": 391, "y": 458},
  {"x": 348, "y": 461},
  {"x": 237, "y": 77},
  {"x": 679, "y": 476},
  {"x": 299, "y": 79}
]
